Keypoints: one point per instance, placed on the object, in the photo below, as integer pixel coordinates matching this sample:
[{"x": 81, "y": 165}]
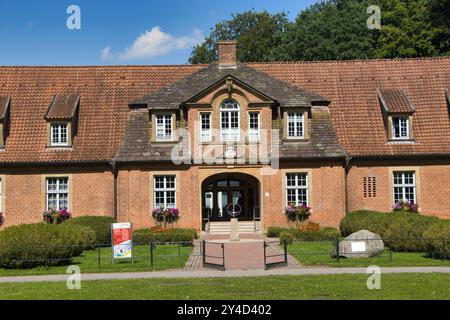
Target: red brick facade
[{"x": 346, "y": 152}]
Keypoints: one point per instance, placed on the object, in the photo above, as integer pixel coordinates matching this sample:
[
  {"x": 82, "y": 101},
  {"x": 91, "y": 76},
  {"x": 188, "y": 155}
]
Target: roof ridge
[
  {"x": 106, "y": 66},
  {"x": 347, "y": 61}
]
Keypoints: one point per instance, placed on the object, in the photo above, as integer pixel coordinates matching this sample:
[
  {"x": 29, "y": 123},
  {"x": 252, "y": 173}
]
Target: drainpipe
[
  {"x": 114, "y": 170},
  {"x": 347, "y": 172}
]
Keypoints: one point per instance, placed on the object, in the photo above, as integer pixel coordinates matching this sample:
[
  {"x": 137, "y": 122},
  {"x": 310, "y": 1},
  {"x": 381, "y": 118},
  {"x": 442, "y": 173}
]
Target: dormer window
[
  {"x": 295, "y": 125},
  {"x": 400, "y": 128},
  {"x": 230, "y": 120},
  {"x": 164, "y": 127},
  {"x": 62, "y": 116},
  {"x": 4, "y": 119},
  {"x": 59, "y": 134},
  {"x": 398, "y": 113}
]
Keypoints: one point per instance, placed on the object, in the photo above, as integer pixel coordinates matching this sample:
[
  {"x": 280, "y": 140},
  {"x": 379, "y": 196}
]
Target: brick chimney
[{"x": 227, "y": 55}]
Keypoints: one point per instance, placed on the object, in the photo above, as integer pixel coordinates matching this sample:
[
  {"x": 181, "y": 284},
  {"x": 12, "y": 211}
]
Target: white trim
[
  {"x": 59, "y": 126},
  {"x": 252, "y": 137},
  {"x": 297, "y": 186},
  {"x": 228, "y": 134},
  {"x": 205, "y": 135},
  {"x": 400, "y": 127},
  {"x": 164, "y": 190},
  {"x": 56, "y": 192},
  {"x": 299, "y": 117},
  {"x": 167, "y": 121},
  {"x": 403, "y": 185}
]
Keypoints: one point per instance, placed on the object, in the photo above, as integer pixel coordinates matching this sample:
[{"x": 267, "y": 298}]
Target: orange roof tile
[{"x": 352, "y": 87}]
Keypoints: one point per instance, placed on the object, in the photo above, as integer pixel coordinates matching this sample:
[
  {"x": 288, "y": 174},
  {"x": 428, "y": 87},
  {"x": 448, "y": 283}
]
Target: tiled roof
[
  {"x": 395, "y": 101},
  {"x": 103, "y": 113},
  {"x": 181, "y": 91},
  {"x": 323, "y": 143},
  {"x": 4, "y": 104},
  {"x": 63, "y": 107},
  {"x": 106, "y": 92},
  {"x": 355, "y": 108}
]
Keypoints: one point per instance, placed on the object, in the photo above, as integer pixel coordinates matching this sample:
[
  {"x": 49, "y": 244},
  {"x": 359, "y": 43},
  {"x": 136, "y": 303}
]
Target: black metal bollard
[
  {"x": 152, "y": 248},
  {"x": 337, "y": 250},
  {"x": 99, "y": 256}
]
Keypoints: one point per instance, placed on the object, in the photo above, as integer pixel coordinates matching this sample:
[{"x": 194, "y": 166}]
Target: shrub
[
  {"x": 100, "y": 225},
  {"x": 372, "y": 221},
  {"x": 437, "y": 239},
  {"x": 404, "y": 233},
  {"x": 325, "y": 234},
  {"x": 32, "y": 245},
  {"x": 145, "y": 236},
  {"x": 287, "y": 237},
  {"x": 274, "y": 232}
]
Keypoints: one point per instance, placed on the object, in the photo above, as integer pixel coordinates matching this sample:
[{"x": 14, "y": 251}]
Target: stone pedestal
[{"x": 234, "y": 232}]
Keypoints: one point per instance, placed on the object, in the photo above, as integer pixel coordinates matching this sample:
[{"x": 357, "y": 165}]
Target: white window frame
[
  {"x": 298, "y": 119},
  {"x": 61, "y": 127},
  {"x": 57, "y": 192},
  {"x": 229, "y": 134},
  {"x": 401, "y": 128},
  {"x": 161, "y": 129},
  {"x": 165, "y": 190},
  {"x": 297, "y": 187},
  {"x": 205, "y": 134},
  {"x": 403, "y": 185},
  {"x": 254, "y": 135}
]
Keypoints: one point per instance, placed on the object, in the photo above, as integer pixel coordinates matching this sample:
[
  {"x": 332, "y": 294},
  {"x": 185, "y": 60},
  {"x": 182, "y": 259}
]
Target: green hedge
[
  {"x": 145, "y": 236},
  {"x": 376, "y": 222},
  {"x": 100, "y": 225},
  {"x": 401, "y": 231},
  {"x": 287, "y": 237},
  {"x": 437, "y": 238},
  {"x": 322, "y": 235},
  {"x": 27, "y": 246}
]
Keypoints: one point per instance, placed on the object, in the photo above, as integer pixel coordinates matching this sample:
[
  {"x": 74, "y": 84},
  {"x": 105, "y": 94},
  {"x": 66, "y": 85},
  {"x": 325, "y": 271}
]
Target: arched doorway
[{"x": 222, "y": 190}]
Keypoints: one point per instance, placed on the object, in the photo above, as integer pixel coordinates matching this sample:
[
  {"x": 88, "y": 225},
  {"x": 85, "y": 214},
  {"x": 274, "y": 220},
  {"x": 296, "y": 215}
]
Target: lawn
[
  {"x": 330, "y": 287},
  {"x": 165, "y": 257},
  {"x": 318, "y": 254}
]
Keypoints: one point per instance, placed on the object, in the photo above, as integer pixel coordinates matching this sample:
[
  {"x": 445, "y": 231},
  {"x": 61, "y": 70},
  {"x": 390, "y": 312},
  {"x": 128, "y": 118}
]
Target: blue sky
[{"x": 116, "y": 32}]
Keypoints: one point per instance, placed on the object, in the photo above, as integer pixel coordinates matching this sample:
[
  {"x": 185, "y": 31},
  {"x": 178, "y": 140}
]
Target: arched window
[{"x": 230, "y": 120}]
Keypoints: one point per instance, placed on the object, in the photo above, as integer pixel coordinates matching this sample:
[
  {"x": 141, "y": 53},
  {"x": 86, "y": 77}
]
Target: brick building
[{"x": 120, "y": 141}]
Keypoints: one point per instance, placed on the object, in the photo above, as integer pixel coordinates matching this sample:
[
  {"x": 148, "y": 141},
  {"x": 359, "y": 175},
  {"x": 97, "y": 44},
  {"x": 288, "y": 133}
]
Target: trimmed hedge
[
  {"x": 322, "y": 235},
  {"x": 100, "y": 225},
  {"x": 437, "y": 238},
  {"x": 27, "y": 246},
  {"x": 145, "y": 236},
  {"x": 376, "y": 222},
  {"x": 401, "y": 231}
]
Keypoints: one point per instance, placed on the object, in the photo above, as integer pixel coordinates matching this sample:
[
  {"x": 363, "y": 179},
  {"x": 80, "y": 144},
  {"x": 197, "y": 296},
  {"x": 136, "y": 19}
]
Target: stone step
[{"x": 225, "y": 227}]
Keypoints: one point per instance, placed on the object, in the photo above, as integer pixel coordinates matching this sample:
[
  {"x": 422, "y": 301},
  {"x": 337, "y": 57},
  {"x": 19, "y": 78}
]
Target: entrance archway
[{"x": 225, "y": 193}]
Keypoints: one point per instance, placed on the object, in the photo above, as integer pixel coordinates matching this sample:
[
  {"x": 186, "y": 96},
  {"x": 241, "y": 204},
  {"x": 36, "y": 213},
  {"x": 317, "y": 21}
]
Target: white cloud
[
  {"x": 106, "y": 54},
  {"x": 153, "y": 43}
]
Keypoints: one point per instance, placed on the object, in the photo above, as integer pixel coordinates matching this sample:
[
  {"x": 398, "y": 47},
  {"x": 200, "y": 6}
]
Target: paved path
[{"x": 221, "y": 274}]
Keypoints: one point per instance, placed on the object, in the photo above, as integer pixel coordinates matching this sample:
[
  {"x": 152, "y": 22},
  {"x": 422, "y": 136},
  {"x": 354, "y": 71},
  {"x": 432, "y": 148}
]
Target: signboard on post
[{"x": 122, "y": 241}]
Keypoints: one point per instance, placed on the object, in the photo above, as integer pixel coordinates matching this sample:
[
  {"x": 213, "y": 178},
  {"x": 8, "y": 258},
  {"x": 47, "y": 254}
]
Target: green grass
[
  {"x": 393, "y": 286},
  {"x": 165, "y": 257},
  {"x": 319, "y": 254}
]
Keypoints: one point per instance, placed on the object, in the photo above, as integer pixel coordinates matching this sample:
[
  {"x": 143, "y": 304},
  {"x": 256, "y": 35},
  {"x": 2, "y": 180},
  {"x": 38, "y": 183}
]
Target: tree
[
  {"x": 406, "y": 30},
  {"x": 256, "y": 33},
  {"x": 440, "y": 20}
]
